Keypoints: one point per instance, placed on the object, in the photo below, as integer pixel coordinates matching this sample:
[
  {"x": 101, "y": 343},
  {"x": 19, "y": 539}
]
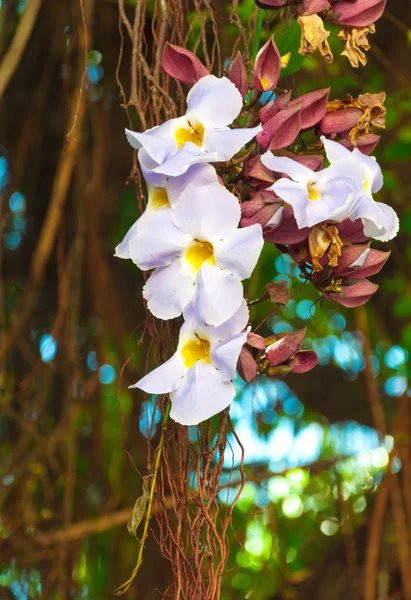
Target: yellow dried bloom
[
  {"x": 314, "y": 36},
  {"x": 356, "y": 44}
]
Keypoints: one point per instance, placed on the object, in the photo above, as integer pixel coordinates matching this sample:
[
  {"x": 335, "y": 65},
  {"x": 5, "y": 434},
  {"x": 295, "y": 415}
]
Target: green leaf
[
  {"x": 139, "y": 510},
  {"x": 289, "y": 41}
]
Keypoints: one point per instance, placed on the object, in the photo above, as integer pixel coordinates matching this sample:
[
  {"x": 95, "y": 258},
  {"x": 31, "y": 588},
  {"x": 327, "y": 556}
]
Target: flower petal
[
  {"x": 385, "y": 226},
  {"x": 206, "y": 212},
  {"x": 169, "y": 290},
  {"x": 227, "y": 142},
  {"x": 202, "y": 395},
  {"x": 218, "y": 294},
  {"x": 188, "y": 155},
  {"x": 157, "y": 245},
  {"x": 334, "y": 150},
  {"x": 296, "y": 195},
  {"x": 166, "y": 378},
  {"x": 122, "y": 249},
  {"x": 282, "y": 164},
  {"x": 216, "y": 102},
  {"x": 225, "y": 356},
  {"x": 239, "y": 251},
  {"x": 372, "y": 169},
  {"x": 158, "y": 142}
]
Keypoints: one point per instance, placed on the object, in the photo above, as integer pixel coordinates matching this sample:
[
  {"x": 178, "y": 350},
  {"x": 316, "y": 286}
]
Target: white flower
[
  {"x": 380, "y": 220},
  {"x": 199, "y": 255},
  {"x": 202, "y": 134},
  {"x": 163, "y": 193},
  {"x": 314, "y": 196},
  {"x": 343, "y": 190},
  {"x": 199, "y": 375}
]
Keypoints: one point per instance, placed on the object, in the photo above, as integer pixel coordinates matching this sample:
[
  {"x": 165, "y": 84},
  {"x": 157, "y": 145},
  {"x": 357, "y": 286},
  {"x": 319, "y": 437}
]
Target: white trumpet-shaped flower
[
  {"x": 202, "y": 134},
  {"x": 163, "y": 193},
  {"x": 380, "y": 221},
  {"x": 199, "y": 255},
  {"x": 343, "y": 190},
  {"x": 199, "y": 375}
]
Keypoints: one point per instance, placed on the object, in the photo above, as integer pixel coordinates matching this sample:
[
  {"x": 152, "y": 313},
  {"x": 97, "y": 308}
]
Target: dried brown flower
[
  {"x": 314, "y": 36},
  {"x": 356, "y": 44}
]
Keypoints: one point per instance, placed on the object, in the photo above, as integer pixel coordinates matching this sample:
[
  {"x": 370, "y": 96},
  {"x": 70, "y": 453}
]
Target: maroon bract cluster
[{"x": 276, "y": 355}]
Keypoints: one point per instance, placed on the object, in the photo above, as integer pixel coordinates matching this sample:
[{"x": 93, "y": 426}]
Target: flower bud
[
  {"x": 274, "y": 107},
  {"x": 303, "y": 361},
  {"x": 278, "y": 292},
  {"x": 360, "y": 262},
  {"x": 281, "y": 130},
  {"x": 314, "y": 107},
  {"x": 354, "y": 118},
  {"x": 366, "y": 145},
  {"x": 285, "y": 347},
  {"x": 182, "y": 64},
  {"x": 359, "y": 13},
  {"x": 310, "y": 7},
  {"x": 287, "y": 232},
  {"x": 271, "y": 4},
  {"x": 350, "y": 294},
  {"x": 260, "y": 209},
  {"x": 238, "y": 74},
  {"x": 247, "y": 365},
  {"x": 257, "y": 173},
  {"x": 267, "y": 67}
]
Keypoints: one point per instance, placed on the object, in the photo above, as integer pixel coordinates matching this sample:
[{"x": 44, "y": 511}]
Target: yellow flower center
[
  {"x": 198, "y": 253},
  {"x": 313, "y": 192},
  {"x": 193, "y": 133},
  {"x": 264, "y": 83},
  {"x": 158, "y": 197},
  {"x": 366, "y": 184},
  {"x": 195, "y": 350}
]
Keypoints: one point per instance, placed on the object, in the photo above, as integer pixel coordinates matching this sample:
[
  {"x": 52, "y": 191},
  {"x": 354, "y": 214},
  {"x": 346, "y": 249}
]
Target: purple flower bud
[
  {"x": 260, "y": 209},
  {"x": 303, "y": 361},
  {"x": 278, "y": 292},
  {"x": 257, "y": 172},
  {"x": 247, "y": 366},
  {"x": 267, "y": 67},
  {"x": 274, "y": 107},
  {"x": 310, "y": 7},
  {"x": 287, "y": 232},
  {"x": 366, "y": 145},
  {"x": 267, "y": 4},
  {"x": 352, "y": 295},
  {"x": 314, "y": 107},
  {"x": 285, "y": 347},
  {"x": 340, "y": 120},
  {"x": 359, "y": 13},
  {"x": 360, "y": 262},
  {"x": 255, "y": 341},
  {"x": 281, "y": 130},
  {"x": 183, "y": 64},
  {"x": 353, "y": 231},
  {"x": 238, "y": 74}
]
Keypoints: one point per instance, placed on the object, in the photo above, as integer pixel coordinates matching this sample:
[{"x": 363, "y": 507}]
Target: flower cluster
[
  {"x": 189, "y": 236},
  {"x": 200, "y": 240},
  {"x": 356, "y": 17}
]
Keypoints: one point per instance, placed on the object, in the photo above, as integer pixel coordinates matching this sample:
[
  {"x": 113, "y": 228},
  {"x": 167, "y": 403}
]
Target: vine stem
[{"x": 125, "y": 586}]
